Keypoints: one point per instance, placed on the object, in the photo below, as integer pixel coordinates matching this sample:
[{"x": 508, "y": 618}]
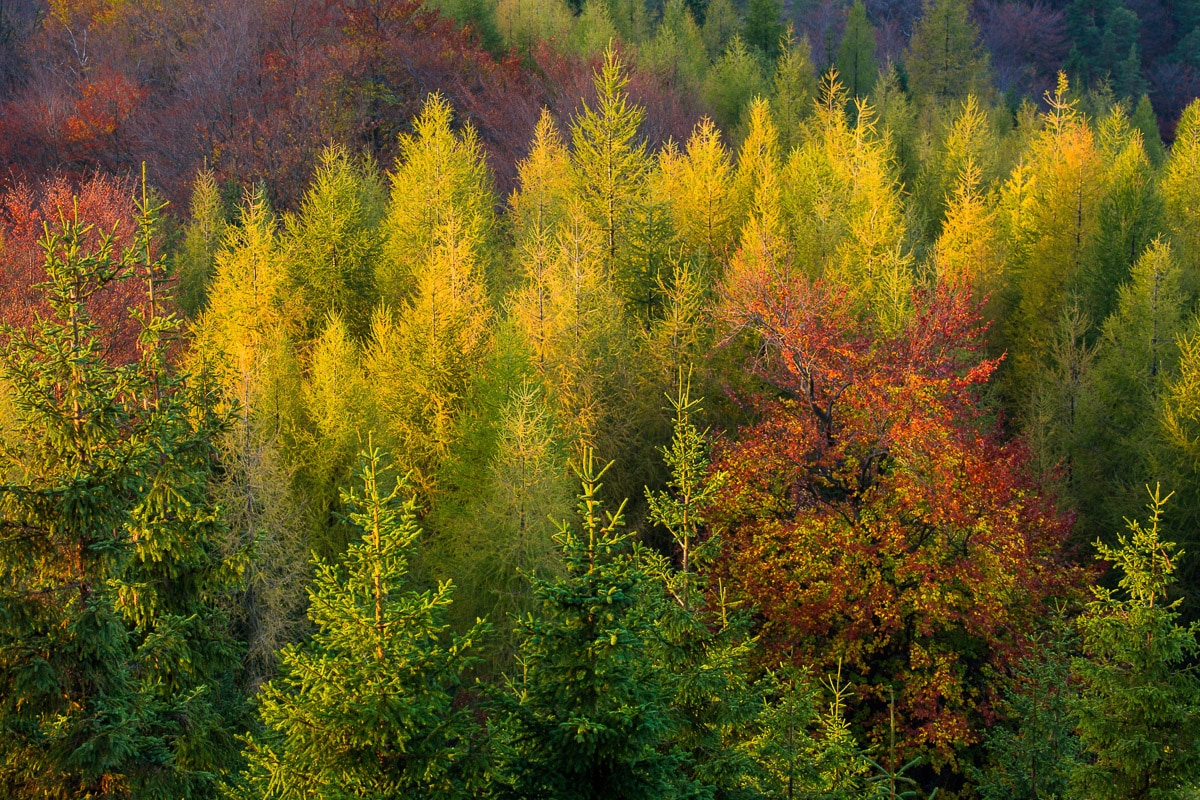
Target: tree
[
  {"x": 113, "y": 656},
  {"x": 695, "y": 185},
  {"x": 733, "y": 83},
  {"x": 856, "y": 55},
  {"x": 1139, "y": 701},
  {"x": 587, "y": 716},
  {"x": 945, "y": 59},
  {"x": 367, "y": 707},
  {"x": 1182, "y": 197},
  {"x": 334, "y": 242},
  {"x": 202, "y": 238},
  {"x": 611, "y": 165},
  {"x": 872, "y": 516},
  {"x": 439, "y": 176},
  {"x": 720, "y": 26},
  {"x": 794, "y": 89},
  {"x": 1033, "y": 748},
  {"x": 422, "y": 355},
  {"x": 762, "y": 29},
  {"x": 1137, "y": 355}
]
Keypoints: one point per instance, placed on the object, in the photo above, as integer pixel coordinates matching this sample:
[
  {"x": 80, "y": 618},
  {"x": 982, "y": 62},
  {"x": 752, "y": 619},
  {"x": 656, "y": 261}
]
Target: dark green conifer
[
  {"x": 587, "y": 716},
  {"x": 115, "y": 666}
]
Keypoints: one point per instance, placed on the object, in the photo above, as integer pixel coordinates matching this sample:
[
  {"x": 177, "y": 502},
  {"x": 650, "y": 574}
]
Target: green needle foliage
[
  {"x": 113, "y": 658},
  {"x": 1139, "y": 704},
  {"x": 587, "y": 717},
  {"x": 366, "y": 708}
]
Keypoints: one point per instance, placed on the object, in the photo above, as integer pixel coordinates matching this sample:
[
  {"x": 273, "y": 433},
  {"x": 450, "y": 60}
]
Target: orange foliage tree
[
  {"x": 872, "y": 515},
  {"x": 105, "y": 203}
]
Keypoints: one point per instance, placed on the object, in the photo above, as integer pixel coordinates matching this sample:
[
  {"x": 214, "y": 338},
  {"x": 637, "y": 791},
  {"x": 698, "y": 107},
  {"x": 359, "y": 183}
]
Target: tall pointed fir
[
  {"x": 706, "y": 643},
  {"x": 793, "y": 89},
  {"x": 244, "y": 344},
  {"x": 856, "y": 65},
  {"x": 439, "y": 174},
  {"x": 334, "y": 241},
  {"x": 202, "y": 237},
  {"x": 113, "y": 658},
  {"x": 1139, "y": 698},
  {"x": 587, "y": 715},
  {"x": 945, "y": 59},
  {"x": 1181, "y": 193},
  {"x": 366, "y": 708},
  {"x": 611, "y": 164}
]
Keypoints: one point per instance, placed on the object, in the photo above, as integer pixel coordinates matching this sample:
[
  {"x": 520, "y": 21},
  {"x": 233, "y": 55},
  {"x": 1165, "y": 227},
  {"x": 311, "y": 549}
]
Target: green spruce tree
[{"x": 366, "y": 708}]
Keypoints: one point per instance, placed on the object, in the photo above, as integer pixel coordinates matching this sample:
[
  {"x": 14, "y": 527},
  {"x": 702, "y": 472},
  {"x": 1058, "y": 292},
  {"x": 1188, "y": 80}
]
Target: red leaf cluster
[
  {"x": 25, "y": 212},
  {"x": 872, "y": 515}
]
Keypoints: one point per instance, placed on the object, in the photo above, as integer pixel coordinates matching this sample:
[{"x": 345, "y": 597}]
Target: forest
[{"x": 589, "y": 399}]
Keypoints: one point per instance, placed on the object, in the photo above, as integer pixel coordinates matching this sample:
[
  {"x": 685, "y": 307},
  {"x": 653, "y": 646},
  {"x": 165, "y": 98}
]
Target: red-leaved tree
[
  {"x": 107, "y": 204},
  {"x": 872, "y": 515}
]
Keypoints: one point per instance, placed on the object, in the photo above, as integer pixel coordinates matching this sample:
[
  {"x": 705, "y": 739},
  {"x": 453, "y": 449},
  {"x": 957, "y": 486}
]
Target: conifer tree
[
  {"x": 1136, "y": 356},
  {"x": 439, "y": 175},
  {"x": 201, "y": 239},
  {"x": 1050, "y": 216},
  {"x": 762, "y": 29},
  {"x": 696, "y": 187},
  {"x": 594, "y": 31},
  {"x": 366, "y": 707},
  {"x": 502, "y": 532},
  {"x": 587, "y": 716},
  {"x": 856, "y": 65},
  {"x": 422, "y": 355},
  {"x": 734, "y": 81},
  {"x": 706, "y": 647},
  {"x": 112, "y": 654},
  {"x": 1139, "y": 701},
  {"x": 677, "y": 50},
  {"x": 611, "y": 164},
  {"x": 1181, "y": 193},
  {"x": 1145, "y": 120},
  {"x": 721, "y": 24},
  {"x": 334, "y": 241},
  {"x": 945, "y": 59},
  {"x": 243, "y": 344},
  {"x": 794, "y": 89},
  {"x": 1033, "y": 748},
  {"x": 335, "y": 401},
  {"x": 1129, "y": 213}
]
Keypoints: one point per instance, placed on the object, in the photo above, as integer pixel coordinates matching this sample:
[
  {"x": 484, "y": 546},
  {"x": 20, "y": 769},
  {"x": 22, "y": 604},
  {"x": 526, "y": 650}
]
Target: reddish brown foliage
[
  {"x": 873, "y": 518},
  {"x": 24, "y": 213},
  {"x": 256, "y": 87}
]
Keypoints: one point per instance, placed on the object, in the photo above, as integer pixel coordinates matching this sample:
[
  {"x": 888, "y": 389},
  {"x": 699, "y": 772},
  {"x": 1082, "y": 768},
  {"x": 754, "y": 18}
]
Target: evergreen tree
[
  {"x": 794, "y": 90},
  {"x": 856, "y": 64},
  {"x": 1181, "y": 193},
  {"x": 1139, "y": 700},
  {"x": 945, "y": 59},
  {"x": 695, "y": 185},
  {"x": 721, "y": 24},
  {"x": 366, "y": 708},
  {"x": 421, "y": 357},
  {"x": 244, "y": 345},
  {"x": 194, "y": 263},
  {"x": 734, "y": 81},
  {"x": 1145, "y": 120},
  {"x": 334, "y": 241},
  {"x": 611, "y": 163},
  {"x": 706, "y": 649},
  {"x": 762, "y": 29},
  {"x": 113, "y": 658},
  {"x": 1034, "y": 747},
  {"x": 588, "y": 714},
  {"x": 439, "y": 175}
]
